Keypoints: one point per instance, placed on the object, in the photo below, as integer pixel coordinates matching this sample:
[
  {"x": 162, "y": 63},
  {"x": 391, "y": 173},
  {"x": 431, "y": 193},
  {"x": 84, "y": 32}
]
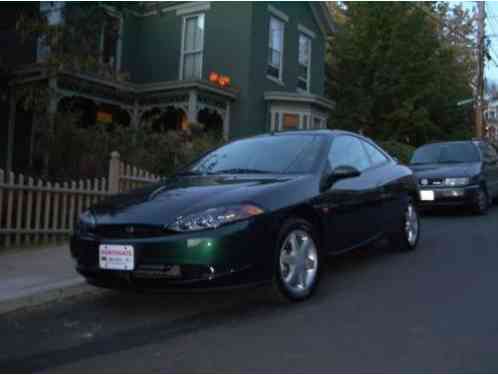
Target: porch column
[
  {"x": 226, "y": 123},
  {"x": 51, "y": 112},
  {"x": 192, "y": 106},
  {"x": 135, "y": 116},
  {"x": 10, "y": 131}
]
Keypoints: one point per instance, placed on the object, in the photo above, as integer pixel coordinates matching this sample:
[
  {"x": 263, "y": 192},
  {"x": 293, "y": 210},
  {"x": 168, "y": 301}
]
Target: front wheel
[
  {"x": 407, "y": 236},
  {"x": 297, "y": 267},
  {"x": 481, "y": 202}
]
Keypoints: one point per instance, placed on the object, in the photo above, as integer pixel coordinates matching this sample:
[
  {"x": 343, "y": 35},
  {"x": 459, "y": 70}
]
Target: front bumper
[
  {"x": 449, "y": 196},
  {"x": 237, "y": 254}
]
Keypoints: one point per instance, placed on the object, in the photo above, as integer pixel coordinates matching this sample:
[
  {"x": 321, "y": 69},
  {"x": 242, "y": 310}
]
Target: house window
[
  {"x": 290, "y": 121},
  {"x": 317, "y": 123},
  {"x": 109, "y": 42},
  {"x": 54, "y": 13},
  {"x": 275, "y": 49},
  {"x": 303, "y": 79},
  {"x": 192, "y": 47}
]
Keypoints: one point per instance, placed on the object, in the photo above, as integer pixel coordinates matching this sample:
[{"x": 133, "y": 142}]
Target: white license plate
[
  {"x": 426, "y": 195},
  {"x": 116, "y": 257}
]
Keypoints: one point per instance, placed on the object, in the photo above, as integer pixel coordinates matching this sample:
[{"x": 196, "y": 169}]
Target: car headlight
[
  {"x": 86, "y": 223},
  {"x": 460, "y": 181},
  {"x": 214, "y": 218}
]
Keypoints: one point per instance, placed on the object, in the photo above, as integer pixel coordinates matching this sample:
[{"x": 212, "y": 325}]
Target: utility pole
[{"x": 481, "y": 17}]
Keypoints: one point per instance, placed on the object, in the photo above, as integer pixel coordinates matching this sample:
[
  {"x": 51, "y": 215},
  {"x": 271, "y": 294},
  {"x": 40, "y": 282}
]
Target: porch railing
[{"x": 33, "y": 211}]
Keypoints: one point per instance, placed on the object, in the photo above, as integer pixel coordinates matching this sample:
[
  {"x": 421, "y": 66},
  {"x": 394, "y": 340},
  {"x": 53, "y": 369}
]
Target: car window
[
  {"x": 456, "y": 152},
  {"x": 492, "y": 153},
  {"x": 269, "y": 154},
  {"x": 348, "y": 151},
  {"x": 376, "y": 157},
  {"x": 486, "y": 152}
]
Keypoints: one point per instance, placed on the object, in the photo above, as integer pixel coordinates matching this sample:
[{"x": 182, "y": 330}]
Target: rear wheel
[
  {"x": 298, "y": 262},
  {"x": 481, "y": 202},
  {"x": 407, "y": 236}
]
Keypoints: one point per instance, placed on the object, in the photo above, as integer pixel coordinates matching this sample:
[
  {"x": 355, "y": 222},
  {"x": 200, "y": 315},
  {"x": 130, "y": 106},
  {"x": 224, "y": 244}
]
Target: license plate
[
  {"x": 426, "y": 195},
  {"x": 116, "y": 257}
]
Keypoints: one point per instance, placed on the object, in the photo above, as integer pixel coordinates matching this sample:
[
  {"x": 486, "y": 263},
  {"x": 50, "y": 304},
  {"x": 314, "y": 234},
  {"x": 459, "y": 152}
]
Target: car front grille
[
  {"x": 434, "y": 181},
  {"x": 129, "y": 231}
]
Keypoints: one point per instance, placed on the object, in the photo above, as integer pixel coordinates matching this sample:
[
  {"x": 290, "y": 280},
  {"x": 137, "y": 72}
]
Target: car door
[
  {"x": 348, "y": 201},
  {"x": 491, "y": 169},
  {"x": 384, "y": 198}
]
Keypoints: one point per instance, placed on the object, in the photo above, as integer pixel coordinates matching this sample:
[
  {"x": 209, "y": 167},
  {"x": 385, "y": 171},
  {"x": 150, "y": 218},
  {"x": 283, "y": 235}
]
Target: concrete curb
[{"x": 48, "y": 293}]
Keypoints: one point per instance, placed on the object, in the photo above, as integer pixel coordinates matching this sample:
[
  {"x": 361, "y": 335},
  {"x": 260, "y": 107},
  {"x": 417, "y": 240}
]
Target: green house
[{"x": 242, "y": 68}]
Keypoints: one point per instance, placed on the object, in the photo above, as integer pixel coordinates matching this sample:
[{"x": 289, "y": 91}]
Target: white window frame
[
  {"x": 278, "y": 80},
  {"x": 308, "y": 75},
  {"x": 303, "y": 111},
  {"x": 183, "y": 53}
]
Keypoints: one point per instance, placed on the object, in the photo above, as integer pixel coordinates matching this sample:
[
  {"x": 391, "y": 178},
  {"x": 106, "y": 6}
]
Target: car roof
[
  {"x": 450, "y": 143},
  {"x": 321, "y": 132}
]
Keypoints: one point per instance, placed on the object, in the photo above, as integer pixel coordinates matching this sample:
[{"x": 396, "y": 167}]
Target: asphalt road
[{"x": 433, "y": 310}]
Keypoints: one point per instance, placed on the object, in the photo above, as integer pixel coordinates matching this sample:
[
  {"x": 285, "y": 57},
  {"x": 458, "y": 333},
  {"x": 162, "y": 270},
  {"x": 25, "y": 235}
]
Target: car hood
[
  {"x": 445, "y": 170},
  {"x": 161, "y": 204}
]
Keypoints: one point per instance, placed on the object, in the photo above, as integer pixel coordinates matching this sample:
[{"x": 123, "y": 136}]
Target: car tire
[
  {"x": 298, "y": 262},
  {"x": 480, "y": 203},
  {"x": 407, "y": 234}
]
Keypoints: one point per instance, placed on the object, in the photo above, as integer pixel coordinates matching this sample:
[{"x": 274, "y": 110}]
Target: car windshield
[
  {"x": 270, "y": 154},
  {"x": 446, "y": 153}
]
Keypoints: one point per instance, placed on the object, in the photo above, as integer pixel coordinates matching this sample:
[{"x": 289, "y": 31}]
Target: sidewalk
[{"x": 36, "y": 276}]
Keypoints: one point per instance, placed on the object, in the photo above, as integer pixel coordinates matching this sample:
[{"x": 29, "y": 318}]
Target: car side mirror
[
  {"x": 396, "y": 160},
  {"x": 341, "y": 172}
]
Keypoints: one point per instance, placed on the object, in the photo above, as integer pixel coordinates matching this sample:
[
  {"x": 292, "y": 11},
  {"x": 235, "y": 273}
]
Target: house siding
[
  {"x": 298, "y": 13},
  {"x": 228, "y": 33},
  {"x": 151, "y": 47},
  {"x": 236, "y": 45}
]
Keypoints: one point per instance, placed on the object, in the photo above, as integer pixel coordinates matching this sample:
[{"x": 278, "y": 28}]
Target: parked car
[
  {"x": 262, "y": 209},
  {"x": 457, "y": 173}
]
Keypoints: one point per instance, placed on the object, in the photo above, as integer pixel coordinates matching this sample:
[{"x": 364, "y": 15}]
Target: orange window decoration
[
  {"x": 104, "y": 117},
  {"x": 290, "y": 121},
  {"x": 213, "y": 77},
  {"x": 219, "y": 79}
]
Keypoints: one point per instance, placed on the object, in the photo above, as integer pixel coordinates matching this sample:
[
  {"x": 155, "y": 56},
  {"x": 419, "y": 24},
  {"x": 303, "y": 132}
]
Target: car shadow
[
  {"x": 145, "y": 319},
  {"x": 448, "y": 212}
]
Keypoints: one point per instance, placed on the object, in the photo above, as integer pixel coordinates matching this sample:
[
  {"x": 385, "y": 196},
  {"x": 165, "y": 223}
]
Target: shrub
[
  {"x": 401, "y": 151},
  {"x": 76, "y": 152}
]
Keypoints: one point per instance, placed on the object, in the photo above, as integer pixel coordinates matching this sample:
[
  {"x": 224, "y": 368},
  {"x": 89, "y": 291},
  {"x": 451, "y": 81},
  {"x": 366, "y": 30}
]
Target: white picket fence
[{"x": 35, "y": 211}]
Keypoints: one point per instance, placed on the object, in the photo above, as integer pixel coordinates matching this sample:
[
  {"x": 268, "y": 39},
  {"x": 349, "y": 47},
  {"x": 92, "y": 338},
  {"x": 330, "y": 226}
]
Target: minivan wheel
[
  {"x": 406, "y": 239},
  {"x": 298, "y": 262},
  {"x": 481, "y": 202}
]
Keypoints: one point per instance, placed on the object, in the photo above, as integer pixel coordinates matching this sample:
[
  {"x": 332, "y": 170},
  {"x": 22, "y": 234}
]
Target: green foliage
[
  {"x": 396, "y": 72},
  {"x": 401, "y": 151},
  {"x": 77, "y": 152}
]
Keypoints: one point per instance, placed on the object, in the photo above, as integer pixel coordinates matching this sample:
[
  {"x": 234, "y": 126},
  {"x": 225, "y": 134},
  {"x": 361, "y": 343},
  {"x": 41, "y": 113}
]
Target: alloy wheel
[
  {"x": 411, "y": 225},
  {"x": 298, "y": 262}
]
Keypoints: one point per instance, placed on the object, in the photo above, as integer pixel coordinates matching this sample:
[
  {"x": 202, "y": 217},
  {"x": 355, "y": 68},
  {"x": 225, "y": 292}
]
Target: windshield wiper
[
  {"x": 240, "y": 171},
  {"x": 420, "y": 163},
  {"x": 189, "y": 173},
  {"x": 451, "y": 162}
]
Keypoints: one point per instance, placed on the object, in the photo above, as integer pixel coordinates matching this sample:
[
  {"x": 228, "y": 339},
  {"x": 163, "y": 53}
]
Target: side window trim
[
  {"x": 372, "y": 164},
  {"x": 362, "y": 147}
]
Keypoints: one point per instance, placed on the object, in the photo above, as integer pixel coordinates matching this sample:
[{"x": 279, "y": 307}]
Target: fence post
[{"x": 114, "y": 173}]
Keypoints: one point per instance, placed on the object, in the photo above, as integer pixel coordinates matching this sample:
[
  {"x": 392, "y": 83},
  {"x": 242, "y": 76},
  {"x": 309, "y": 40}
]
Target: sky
[{"x": 492, "y": 32}]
